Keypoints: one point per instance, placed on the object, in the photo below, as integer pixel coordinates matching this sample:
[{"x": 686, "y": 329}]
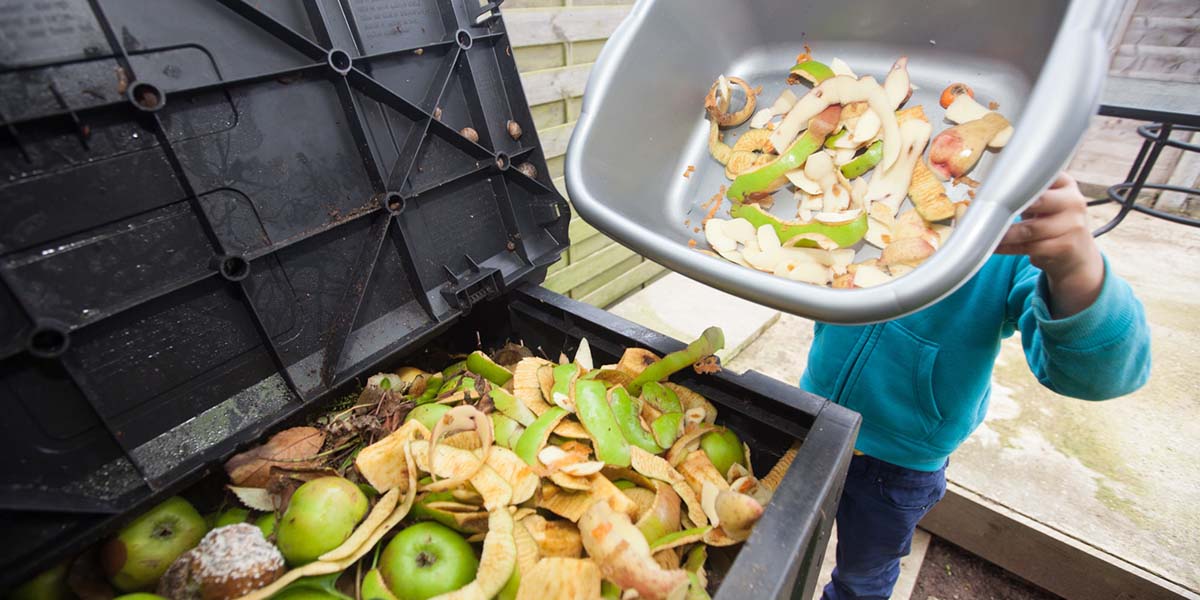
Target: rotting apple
[
  {"x": 724, "y": 449},
  {"x": 50, "y": 584},
  {"x": 141, "y": 552},
  {"x": 425, "y": 560},
  {"x": 428, "y": 414},
  {"x": 320, "y": 516}
]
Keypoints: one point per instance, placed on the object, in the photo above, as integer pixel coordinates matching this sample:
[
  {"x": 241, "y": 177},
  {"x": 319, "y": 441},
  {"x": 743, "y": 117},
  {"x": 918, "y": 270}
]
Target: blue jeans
[{"x": 880, "y": 507}]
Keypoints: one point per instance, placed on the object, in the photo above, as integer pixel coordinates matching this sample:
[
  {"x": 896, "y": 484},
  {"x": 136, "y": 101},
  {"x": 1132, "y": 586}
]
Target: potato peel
[
  {"x": 775, "y": 476},
  {"x": 738, "y": 513}
]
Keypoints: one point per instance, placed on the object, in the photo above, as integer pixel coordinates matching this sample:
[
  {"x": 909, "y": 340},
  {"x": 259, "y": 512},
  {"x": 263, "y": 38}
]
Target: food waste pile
[
  {"x": 504, "y": 476},
  {"x": 846, "y": 152}
]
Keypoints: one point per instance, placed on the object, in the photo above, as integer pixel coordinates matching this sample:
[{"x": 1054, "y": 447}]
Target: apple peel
[
  {"x": 496, "y": 562},
  {"x": 679, "y": 538},
  {"x": 526, "y": 384},
  {"x": 561, "y": 579},
  {"x": 775, "y": 475},
  {"x": 624, "y": 556},
  {"x": 686, "y": 443},
  {"x": 656, "y": 467},
  {"x": 382, "y": 464}
]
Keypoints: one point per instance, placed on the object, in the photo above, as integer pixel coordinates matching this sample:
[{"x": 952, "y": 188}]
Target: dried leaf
[
  {"x": 86, "y": 578},
  {"x": 292, "y": 448},
  {"x": 254, "y": 498}
]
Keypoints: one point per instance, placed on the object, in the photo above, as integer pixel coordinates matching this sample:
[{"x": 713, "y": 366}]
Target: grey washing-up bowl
[{"x": 643, "y": 121}]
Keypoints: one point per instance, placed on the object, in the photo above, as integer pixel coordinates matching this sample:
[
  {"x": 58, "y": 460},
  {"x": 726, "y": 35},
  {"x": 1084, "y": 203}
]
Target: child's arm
[{"x": 1084, "y": 332}]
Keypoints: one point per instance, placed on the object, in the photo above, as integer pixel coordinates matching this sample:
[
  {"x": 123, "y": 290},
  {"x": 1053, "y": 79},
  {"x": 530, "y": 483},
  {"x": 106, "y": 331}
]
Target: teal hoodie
[{"x": 922, "y": 382}]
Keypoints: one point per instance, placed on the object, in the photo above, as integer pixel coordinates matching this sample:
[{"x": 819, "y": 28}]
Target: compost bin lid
[{"x": 216, "y": 212}]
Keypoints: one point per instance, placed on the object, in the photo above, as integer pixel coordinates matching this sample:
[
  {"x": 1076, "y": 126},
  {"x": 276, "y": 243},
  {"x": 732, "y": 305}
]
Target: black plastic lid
[{"x": 212, "y": 213}]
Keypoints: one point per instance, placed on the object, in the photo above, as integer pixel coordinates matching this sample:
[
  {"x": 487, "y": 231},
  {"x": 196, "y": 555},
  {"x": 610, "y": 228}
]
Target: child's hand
[{"x": 1054, "y": 232}]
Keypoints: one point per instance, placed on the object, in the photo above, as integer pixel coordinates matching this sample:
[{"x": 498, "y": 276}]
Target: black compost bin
[{"x": 217, "y": 216}]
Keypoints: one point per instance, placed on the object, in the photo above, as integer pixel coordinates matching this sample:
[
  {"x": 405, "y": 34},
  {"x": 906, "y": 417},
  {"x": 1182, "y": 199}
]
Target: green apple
[
  {"x": 374, "y": 588},
  {"x": 50, "y": 584},
  {"x": 231, "y": 516},
  {"x": 509, "y": 591},
  {"x": 321, "y": 515},
  {"x": 425, "y": 560},
  {"x": 140, "y": 596},
  {"x": 306, "y": 594},
  {"x": 723, "y": 448},
  {"x": 266, "y": 524},
  {"x": 142, "y": 551},
  {"x": 427, "y": 414}
]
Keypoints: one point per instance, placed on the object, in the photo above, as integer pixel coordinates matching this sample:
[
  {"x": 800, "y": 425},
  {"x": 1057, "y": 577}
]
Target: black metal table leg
[{"x": 1158, "y": 136}]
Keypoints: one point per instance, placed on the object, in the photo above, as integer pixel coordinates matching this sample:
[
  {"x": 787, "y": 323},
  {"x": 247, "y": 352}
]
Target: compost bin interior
[{"x": 788, "y": 542}]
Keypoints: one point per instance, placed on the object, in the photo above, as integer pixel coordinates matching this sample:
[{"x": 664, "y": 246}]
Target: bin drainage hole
[
  {"x": 48, "y": 342},
  {"x": 464, "y": 39},
  {"x": 234, "y": 268},
  {"x": 146, "y": 96},
  {"x": 340, "y": 61},
  {"x": 502, "y": 161},
  {"x": 394, "y": 203}
]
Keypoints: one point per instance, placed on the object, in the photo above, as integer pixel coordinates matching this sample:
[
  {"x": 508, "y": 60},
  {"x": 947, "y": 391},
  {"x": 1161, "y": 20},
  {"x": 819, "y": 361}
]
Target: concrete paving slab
[
  {"x": 1119, "y": 475},
  {"x": 683, "y": 309}
]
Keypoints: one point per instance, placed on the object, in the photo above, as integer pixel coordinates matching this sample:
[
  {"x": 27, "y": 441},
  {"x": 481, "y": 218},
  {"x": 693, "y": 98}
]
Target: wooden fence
[{"x": 555, "y": 43}]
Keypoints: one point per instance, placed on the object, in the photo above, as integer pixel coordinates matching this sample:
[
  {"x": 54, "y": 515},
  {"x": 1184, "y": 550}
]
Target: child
[{"x": 922, "y": 382}]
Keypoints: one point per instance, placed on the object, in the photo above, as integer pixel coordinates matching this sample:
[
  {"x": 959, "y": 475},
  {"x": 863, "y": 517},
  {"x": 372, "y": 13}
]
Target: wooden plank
[
  {"x": 549, "y": 85},
  {"x": 600, "y": 2},
  {"x": 551, "y": 114},
  {"x": 587, "y": 247},
  {"x": 1169, "y": 8},
  {"x": 579, "y": 230},
  {"x": 558, "y": 266},
  {"x": 560, "y": 184},
  {"x": 531, "y": 27},
  {"x": 554, "y": 140},
  {"x": 586, "y": 52},
  {"x": 615, "y": 290},
  {"x": 554, "y": 167},
  {"x": 1041, "y": 554},
  {"x": 580, "y": 271},
  {"x": 534, "y": 58},
  {"x": 612, "y": 273}
]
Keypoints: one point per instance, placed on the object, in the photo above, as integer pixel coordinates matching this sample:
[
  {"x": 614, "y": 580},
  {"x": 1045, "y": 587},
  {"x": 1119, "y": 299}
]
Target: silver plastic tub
[{"x": 643, "y": 121}]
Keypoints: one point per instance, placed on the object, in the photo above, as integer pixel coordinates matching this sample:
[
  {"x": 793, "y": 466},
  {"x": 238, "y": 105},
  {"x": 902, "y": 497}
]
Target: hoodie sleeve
[{"x": 1099, "y": 353}]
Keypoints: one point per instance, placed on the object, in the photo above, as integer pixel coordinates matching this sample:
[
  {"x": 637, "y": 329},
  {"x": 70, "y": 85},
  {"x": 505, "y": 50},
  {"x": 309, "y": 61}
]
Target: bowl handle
[{"x": 1057, "y": 114}]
